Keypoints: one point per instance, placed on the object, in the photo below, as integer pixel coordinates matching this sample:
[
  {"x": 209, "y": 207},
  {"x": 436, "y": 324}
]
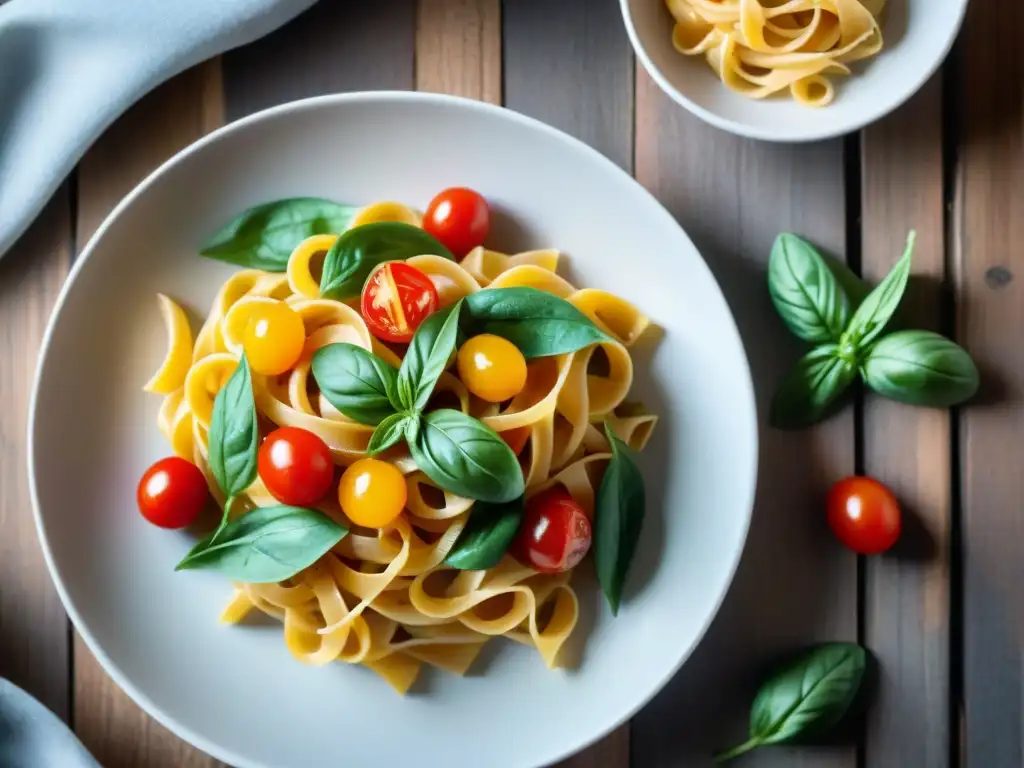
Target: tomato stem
[{"x": 752, "y": 743}]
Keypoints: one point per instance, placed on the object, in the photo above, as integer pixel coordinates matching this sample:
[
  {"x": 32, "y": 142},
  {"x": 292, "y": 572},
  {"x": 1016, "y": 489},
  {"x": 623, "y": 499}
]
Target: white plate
[
  {"x": 918, "y": 34},
  {"x": 235, "y": 691}
]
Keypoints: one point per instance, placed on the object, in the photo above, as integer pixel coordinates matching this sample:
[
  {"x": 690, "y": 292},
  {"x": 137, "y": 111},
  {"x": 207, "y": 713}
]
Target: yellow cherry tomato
[
  {"x": 274, "y": 338},
  {"x": 492, "y": 368},
  {"x": 372, "y": 493}
]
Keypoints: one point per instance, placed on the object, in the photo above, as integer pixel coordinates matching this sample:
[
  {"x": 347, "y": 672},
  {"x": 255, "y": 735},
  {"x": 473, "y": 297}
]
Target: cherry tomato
[
  {"x": 396, "y": 299},
  {"x": 492, "y": 368},
  {"x": 555, "y": 534},
  {"x": 459, "y": 218},
  {"x": 172, "y": 493},
  {"x": 864, "y": 515},
  {"x": 296, "y": 466},
  {"x": 372, "y": 493},
  {"x": 274, "y": 338},
  {"x": 516, "y": 438}
]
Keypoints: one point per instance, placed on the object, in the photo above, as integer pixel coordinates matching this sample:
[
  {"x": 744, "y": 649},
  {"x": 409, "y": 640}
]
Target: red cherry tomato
[
  {"x": 459, "y": 218},
  {"x": 864, "y": 515},
  {"x": 396, "y": 299},
  {"x": 296, "y": 466},
  {"x": 172, "y": 493},
  {"x": 555, "y": 534}
]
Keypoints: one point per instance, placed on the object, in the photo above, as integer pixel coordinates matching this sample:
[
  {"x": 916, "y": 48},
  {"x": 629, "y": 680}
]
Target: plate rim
[{"x": 749, "y": 462}]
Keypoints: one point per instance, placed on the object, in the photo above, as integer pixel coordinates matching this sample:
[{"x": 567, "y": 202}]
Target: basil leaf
[
  {"x": 809, "y": 390},
  {"x": 388, "y": 432},
  {"x": 356, "y": 382},
  {"x": 618, "y": 519},
  {"x": 264, "y": 237},
  {"x": 805, "y": 292},
  {"x": 805, "y": 698},
  {"x": 855, "y": 288},
  {"x": 538, "y": 323},
  {"x": 268, "y": 544},
  {"x": 234, "y": 433},
  {"x": 489, "y": 532},
  {"x": 466, "y": 457},
  {"x": 878, "y": 308},
  {"x": 920, "y": 368},
  {"x": 360, "y": 249},
  {"x": 428, "y": 355}
]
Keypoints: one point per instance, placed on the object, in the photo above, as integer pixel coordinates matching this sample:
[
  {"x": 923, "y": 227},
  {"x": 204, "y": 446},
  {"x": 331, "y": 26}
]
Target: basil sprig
[
  {"x": 358, "y": 383},
  {"x": 354, "y": 255},
  {"x": 821, "y": 301},
  {"x": 456, "y": 451},
  {"x": 806, "y": 698},
  {"x": 488, "y": 534},
  {"x": 263, "y": 237},
  {"x": 618, "y": 519},
  {"x": 267, "y": 543}
]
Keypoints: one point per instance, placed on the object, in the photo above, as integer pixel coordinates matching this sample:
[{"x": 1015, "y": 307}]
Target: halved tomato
[{"x": 395, "y": 300}]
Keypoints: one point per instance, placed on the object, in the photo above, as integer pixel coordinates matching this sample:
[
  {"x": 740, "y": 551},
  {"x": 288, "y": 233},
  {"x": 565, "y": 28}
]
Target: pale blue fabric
[
  {"x": 68, "y": 68},
  {"x": 31, "y": 736}
]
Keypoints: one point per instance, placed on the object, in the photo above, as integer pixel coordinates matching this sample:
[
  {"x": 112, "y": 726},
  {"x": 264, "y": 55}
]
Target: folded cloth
[
  {"x": 68, "y": 68},
  {"x": 31, "y": 736}
]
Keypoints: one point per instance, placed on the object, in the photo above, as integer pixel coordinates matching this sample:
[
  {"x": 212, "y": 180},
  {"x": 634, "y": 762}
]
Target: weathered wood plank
[
  {"x": 990, "y": 301},
  {"x": 332, "y": 47},
  {"x": 557, "y": 56},
  {"x": 116, "y": 731},
  {"x": 907, "y": 592},
  {"x": 34, "y": 647},
  {"x": 458, "y": 48},
  {"x": 795, "y": 585}
]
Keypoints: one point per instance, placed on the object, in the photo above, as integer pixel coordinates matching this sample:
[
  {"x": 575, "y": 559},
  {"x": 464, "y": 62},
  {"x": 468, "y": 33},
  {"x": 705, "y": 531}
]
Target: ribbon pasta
[
  {"x": 383, "y": 598},
  {"x": 762, "y": 47}
]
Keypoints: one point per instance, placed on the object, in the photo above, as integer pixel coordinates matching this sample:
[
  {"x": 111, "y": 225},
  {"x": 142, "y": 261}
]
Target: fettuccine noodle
[
  {"x": 382, "y": 598},
  {"x": 762, "y": 47}
]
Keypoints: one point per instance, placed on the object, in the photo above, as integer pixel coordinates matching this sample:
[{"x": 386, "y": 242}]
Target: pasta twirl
[
  {"x": 384, "y": 598},
  {"x": 762, "y": 47}
]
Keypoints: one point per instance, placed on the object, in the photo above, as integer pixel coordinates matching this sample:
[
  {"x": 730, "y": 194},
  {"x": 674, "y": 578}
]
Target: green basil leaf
[
  {"x": 265, "y": 545},
  {"x": 234, "y": 433},
  {"x": 264, "y": 237},
  {"x": 808, "y": 392},
  {"x": 805, "y": 292},
  {"x": 920, "y": 368},
  {"x": 855, "y": 288},
  {"x": 388, "y": 432},
  {"x": 488, "y": 534},
  {"x": 360, "y": 249},
  {"x": 464, "y": 456},
  {"x": 428, "y": 355},
  {"x": 356, "y": 382},
  {"x": 879, "y": 307},
  {"x": 618, "y": 519},
  {"x": 538, "y": 323},
  {"x": 806, "y": 698}
]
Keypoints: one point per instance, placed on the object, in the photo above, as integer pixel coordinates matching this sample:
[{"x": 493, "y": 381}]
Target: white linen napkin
[{"x": 68, "y": 68}]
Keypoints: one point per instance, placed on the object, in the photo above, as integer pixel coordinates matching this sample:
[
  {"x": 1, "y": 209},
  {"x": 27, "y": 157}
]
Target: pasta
[
  {"x": 384, "y": 598},
  {"x": 762, "y": 47}
]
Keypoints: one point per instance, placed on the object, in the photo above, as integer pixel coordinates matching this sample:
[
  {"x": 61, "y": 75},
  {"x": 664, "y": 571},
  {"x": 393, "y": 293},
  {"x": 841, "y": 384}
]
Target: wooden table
[{"x": 944, "y": 615}]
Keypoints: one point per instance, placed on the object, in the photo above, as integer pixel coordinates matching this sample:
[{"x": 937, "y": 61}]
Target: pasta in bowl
[
  {"x": 446, "y": 526},
  {"x": 234, "y": 689},
  {"x": 791, "y": 70}
]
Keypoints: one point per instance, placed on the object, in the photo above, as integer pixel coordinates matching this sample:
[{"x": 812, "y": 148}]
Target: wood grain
[
  {"x": 990, "y": 269},
  {"x": 907, "y": 592},
  {"x": 458, "y": 48},
  {"x": 34, "y": 647},
  {"x": 795, "y": 585},
  {"x": 557, "y": 57},
  {"x": 570, "y": 65},
  {"x": 114, "y": 729},
  {"x": 334, "y": 46}
]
